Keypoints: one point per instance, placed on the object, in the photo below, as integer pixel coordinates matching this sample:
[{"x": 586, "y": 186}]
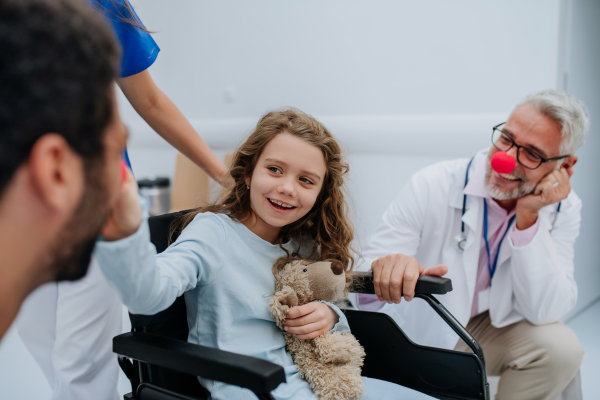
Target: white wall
[{"x": 352, "y": 57}]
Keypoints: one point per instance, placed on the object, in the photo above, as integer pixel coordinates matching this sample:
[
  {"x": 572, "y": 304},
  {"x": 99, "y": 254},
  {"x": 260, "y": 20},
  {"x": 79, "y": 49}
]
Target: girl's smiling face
[{"x": 284, "y": 185}]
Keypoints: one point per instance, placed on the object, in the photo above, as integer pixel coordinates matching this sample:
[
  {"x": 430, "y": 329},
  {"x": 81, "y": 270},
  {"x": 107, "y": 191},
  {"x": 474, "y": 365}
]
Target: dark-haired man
[{"x": 61, "y": 141}]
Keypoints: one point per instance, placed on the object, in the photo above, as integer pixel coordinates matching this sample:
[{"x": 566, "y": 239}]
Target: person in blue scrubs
[
  {"x": 68, "y": 327},
  {"x": 139, "y": 53}
]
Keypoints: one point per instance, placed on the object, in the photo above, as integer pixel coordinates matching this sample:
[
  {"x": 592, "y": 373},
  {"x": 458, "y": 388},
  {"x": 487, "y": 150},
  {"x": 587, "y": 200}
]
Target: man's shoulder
[
  {"x": 443, "y": 176},
  {"x": 446, "y": 168},
  {"x": 573, "y": 198},
  {"x": 572, "y": 202}
]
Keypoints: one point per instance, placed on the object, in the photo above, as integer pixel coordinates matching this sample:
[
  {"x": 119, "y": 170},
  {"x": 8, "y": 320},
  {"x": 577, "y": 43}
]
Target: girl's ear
[{"x": 247, "y": 180}]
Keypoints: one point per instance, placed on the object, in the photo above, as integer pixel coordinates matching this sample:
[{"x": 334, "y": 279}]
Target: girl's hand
[
  {"x": 126, "y": 215},
  {"x": 310, "y": 320}
]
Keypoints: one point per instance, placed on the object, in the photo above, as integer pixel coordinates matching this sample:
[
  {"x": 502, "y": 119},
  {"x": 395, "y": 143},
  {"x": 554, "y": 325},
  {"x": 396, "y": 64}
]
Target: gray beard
[{"x": 525, "y": 188}]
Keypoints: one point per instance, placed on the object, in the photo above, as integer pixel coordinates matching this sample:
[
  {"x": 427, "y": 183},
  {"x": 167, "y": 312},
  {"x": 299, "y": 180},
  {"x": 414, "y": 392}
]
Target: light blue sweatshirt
[{"x": 225, "y": 271}]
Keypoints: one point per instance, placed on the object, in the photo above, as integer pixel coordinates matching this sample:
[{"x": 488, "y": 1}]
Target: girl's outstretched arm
[
  {"x": 146, "y": 282},
  {"x": 153, "y": 105}
]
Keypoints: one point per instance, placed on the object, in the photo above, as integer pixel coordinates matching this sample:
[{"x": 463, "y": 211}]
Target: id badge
[{"x": 483, "y": 300}]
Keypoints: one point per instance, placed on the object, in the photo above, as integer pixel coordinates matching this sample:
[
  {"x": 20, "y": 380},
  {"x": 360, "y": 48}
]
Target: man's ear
[
  {"x": 569, "y": 163},
  {"x": 57, "y": 173}
]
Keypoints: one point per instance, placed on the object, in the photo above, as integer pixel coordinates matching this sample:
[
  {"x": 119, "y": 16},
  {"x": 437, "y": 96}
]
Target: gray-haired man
[{"x": 507, "y": 236}]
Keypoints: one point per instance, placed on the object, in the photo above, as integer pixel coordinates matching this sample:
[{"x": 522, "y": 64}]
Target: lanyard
[{"x": 491, "y": 268}]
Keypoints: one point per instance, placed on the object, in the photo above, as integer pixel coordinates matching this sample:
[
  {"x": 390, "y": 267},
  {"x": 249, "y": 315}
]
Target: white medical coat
[{"x": 534, "y": 282}]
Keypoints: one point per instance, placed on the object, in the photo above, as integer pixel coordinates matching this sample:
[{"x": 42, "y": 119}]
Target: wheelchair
[{"x": 161, "y": 365}]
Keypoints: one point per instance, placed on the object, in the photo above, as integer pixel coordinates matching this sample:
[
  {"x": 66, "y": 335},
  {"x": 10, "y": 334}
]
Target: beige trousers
[{"x": 533, "y": 361}]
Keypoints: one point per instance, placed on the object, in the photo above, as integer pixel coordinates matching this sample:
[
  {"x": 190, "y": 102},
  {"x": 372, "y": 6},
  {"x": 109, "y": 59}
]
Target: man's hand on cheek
[
  {"x": 396, "y": 275},
  {"x": 553, "y": 188},
  {"x": 310, "y": 320},
  {"x": 126, "y": 215}
]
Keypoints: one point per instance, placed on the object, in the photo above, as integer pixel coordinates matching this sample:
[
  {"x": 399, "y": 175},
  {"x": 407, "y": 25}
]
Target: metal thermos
[{"x": 157, "y": 192}]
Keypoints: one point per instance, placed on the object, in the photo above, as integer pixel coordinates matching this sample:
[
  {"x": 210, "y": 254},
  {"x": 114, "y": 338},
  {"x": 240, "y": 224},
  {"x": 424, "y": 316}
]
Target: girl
[{"x": 287, "y": 201}]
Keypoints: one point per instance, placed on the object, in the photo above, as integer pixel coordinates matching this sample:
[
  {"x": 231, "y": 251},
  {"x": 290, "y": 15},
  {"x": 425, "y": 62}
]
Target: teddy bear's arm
[
  {"x": 336, "y": 347},
  {"x": 288, "y": 297},
  {"x": 281, "y": 302}
]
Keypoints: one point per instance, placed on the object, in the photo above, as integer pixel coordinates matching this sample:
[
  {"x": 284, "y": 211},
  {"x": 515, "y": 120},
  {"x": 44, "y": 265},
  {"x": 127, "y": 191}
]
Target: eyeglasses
[{"x": 528, "y": 158}]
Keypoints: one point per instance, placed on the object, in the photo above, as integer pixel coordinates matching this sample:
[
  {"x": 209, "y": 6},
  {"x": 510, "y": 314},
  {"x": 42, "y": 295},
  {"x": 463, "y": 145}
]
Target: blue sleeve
[
  {"x": 342, "y": 325},
  {"x": 126, "y": 158},
  {"x": 139, "y": 49}
]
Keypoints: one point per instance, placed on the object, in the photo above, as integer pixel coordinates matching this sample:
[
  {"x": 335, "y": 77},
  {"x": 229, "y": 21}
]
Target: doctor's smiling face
[
  {"x": 285, "y": 184},
  {"x": 529, "y": 128}
]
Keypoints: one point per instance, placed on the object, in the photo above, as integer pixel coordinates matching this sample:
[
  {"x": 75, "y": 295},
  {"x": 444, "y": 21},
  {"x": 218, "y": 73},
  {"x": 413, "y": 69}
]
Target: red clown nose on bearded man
[{"x": 503, "y": 163}]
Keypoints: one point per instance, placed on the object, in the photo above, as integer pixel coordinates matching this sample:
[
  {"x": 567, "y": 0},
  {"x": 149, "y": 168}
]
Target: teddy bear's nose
[{"x": 337, "y": 267}]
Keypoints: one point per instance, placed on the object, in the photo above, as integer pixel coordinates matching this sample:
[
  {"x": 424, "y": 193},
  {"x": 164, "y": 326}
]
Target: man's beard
[
  {"x": 72, "y": 251},
  {"x": 525, "y": 188}
]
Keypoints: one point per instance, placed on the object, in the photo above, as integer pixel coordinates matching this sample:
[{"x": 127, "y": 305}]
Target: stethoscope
[{"x": 461, "y": 239}]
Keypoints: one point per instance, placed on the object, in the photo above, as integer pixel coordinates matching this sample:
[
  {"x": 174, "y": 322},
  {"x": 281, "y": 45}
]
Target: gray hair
[{"x": 568, "y": 111}]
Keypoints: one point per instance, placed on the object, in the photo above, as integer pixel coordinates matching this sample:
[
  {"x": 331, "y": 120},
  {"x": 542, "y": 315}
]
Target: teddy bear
[{"x": 332, "y": 362}]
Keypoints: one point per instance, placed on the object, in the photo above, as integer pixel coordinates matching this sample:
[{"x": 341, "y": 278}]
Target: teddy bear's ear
[{"x": 337, "y": 267}]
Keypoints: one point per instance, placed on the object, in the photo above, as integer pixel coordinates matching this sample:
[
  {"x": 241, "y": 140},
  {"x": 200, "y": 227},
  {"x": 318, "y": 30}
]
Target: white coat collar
[
  {"x": 471, "y": 218},
  {"x": 455, "y": 197}
]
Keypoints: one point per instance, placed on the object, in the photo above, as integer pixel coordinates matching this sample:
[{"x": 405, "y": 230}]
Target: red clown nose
[
  {"x": 123, "y": 171},
  {"x": 503, "y": 163}
]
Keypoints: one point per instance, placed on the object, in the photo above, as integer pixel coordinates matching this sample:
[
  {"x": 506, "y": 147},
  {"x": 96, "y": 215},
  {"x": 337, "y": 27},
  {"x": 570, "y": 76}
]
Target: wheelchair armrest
[
  {"x": 258, "y": 375},
  {"x": 363, "y": 283},
  {"x": 425, "y": 288}
]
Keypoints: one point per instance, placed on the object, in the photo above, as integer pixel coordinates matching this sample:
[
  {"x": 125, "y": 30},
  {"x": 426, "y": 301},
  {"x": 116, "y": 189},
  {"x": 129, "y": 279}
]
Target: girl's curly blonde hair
[{"x": 327, "y": 223}]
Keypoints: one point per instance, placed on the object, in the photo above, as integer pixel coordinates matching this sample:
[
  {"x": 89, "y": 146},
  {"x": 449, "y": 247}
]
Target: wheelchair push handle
[{"x": 363, "y": 283}]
